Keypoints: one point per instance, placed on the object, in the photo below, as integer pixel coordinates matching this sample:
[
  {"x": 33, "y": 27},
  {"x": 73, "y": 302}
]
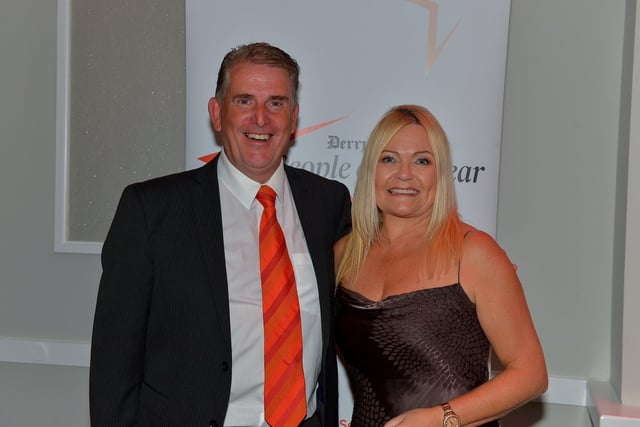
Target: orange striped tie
[{"x": 285, "y": 399}]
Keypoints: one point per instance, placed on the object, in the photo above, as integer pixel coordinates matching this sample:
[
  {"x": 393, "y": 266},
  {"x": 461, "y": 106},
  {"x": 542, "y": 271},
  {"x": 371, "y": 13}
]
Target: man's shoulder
[
  {"x": 166, "y": 189},
  {"x": 176, "y": 179}
]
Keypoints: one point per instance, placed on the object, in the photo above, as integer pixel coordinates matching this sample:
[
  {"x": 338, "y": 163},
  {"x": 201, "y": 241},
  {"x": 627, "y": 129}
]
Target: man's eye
[
  {"x": 243, "y": 102},
  {"x": 276, "y": 104}
]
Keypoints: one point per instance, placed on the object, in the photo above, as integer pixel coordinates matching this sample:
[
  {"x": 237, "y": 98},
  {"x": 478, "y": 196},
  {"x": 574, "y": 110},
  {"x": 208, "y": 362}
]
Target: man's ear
[
  {"x": 214, "y": 114},
  {"x": 294, "y": 123}
]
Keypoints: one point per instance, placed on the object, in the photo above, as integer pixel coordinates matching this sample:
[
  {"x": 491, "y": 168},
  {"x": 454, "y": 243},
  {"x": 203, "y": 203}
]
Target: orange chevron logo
[
  {"x": 433, "y": 50},
  {"x": 314, "y": 128},
  {"x": 300, "y": 132}
]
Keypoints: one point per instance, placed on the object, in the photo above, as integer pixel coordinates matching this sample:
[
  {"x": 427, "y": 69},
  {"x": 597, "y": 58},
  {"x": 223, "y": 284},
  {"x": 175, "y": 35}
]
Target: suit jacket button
[
  {"x": 224, "y": 366},
  {"x": 213, "y": 423}
]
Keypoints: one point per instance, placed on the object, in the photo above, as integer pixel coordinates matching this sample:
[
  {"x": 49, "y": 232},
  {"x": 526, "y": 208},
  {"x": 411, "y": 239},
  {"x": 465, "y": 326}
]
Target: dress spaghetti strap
[{"x": 460, "y": 261}]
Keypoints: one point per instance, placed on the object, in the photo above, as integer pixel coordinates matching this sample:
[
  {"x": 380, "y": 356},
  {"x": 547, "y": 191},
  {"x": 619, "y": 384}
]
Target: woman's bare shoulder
[
  {"x": 484, "y": 263},
  {"x": 479, "y": 243}
]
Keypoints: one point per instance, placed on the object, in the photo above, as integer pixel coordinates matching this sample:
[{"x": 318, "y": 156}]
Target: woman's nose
[{"x": 404, "y": 171}]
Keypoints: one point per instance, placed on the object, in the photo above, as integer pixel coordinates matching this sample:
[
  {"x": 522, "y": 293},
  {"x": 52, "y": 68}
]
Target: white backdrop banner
[{"x": 358, "y": 58}]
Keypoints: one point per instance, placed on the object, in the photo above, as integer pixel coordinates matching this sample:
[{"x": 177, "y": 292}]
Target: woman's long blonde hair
[{"x": 443, "y": 236}]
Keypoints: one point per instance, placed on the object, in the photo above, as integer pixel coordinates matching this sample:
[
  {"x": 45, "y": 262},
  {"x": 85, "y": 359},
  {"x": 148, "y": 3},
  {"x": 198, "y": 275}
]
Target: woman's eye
[
  {"x": 387, "y": 159},
  {"x": 423, "y": 161}
]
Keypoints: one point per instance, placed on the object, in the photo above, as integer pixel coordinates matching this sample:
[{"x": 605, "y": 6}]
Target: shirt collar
[{"x": 243, "y": 187}]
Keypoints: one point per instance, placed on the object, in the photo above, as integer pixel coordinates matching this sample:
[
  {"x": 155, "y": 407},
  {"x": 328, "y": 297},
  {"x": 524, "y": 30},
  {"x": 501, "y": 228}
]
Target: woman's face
[{"x": 406, "y": 178}]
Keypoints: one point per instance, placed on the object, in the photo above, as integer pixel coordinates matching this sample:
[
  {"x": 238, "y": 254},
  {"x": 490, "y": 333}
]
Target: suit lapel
[
  {"x": 309, "y": 214},
  {"x": 206, "y": 199}
]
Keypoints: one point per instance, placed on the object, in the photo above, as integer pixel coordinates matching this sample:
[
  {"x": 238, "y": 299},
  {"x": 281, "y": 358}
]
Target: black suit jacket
[{"x": 161, "y": 346}]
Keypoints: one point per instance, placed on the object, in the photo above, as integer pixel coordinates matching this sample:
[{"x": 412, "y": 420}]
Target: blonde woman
[{"x": 423, "y": 297}]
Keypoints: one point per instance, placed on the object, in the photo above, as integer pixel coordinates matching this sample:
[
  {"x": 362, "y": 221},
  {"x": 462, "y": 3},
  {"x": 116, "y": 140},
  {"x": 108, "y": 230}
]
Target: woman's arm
[{"x": 491, "y": 282}]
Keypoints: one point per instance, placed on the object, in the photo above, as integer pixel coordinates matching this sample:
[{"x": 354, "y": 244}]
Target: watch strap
[{"x": 450, "y": 418}]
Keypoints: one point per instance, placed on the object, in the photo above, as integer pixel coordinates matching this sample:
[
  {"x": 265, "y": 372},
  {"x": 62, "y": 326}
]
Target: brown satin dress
[{"x": 414, "y": 350}]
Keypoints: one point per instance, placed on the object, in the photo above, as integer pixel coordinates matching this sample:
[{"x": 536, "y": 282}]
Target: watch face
[{"x": 451, "y": 421}]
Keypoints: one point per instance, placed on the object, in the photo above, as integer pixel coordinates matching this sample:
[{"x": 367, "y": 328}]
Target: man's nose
[{"x": 261, "y": 115}]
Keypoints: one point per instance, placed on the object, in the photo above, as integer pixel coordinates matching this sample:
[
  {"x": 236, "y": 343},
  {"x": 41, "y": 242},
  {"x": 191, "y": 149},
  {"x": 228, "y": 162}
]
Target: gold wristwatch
[{"x": 451, "y": 419}]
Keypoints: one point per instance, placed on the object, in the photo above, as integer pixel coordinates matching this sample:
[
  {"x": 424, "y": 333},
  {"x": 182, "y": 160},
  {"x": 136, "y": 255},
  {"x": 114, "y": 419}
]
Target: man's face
[{"x": 256, "y": 118}]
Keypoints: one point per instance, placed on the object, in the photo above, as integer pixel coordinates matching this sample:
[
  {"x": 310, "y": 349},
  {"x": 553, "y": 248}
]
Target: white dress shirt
[{"x": 241, "y": 223}]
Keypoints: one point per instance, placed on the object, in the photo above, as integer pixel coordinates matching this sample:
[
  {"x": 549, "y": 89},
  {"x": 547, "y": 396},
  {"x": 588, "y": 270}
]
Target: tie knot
[{"x": 266, "y": 196}]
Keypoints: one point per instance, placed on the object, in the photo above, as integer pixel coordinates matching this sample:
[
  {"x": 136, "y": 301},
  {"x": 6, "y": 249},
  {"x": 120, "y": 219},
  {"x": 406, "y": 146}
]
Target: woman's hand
[{"x": 422, "y": 417}]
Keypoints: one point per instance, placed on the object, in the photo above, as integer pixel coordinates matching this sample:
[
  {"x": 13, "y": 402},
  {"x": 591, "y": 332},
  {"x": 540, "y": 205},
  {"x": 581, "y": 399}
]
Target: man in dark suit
[{"x": 178, "y": 335}]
